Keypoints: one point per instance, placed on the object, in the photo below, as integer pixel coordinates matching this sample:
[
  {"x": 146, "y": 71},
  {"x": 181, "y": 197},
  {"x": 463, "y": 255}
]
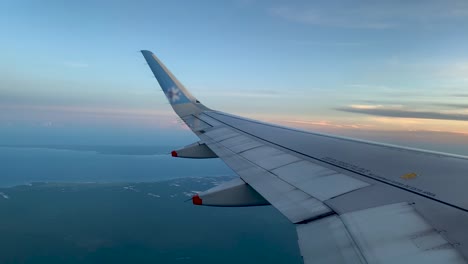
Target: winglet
[{"x": 172, "y": 88}]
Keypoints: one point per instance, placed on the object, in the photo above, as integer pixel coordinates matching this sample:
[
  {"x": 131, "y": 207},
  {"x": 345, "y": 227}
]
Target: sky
[{"x": 393, "y": 71}]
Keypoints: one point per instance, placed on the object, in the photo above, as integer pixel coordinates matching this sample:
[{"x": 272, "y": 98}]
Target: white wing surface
[{"x": 352, "y": 201}]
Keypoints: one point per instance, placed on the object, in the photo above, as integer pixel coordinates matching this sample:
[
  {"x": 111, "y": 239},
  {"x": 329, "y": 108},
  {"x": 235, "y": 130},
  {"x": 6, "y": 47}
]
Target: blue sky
[{"x": 70, "y": 71}]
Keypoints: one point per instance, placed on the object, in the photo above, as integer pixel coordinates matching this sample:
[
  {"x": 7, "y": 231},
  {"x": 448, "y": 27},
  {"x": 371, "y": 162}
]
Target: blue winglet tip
[{"x": 146, "y": 52}]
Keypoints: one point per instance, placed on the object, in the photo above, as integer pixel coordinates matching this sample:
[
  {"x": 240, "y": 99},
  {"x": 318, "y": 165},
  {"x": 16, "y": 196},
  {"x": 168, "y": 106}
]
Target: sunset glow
[{"x": 398, "y": 73}]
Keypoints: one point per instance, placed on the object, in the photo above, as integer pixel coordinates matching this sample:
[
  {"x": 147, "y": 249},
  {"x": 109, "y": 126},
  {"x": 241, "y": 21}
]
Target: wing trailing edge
[
  {"x": 235, "y": 193},
  {"x": 196, "y": 150}
]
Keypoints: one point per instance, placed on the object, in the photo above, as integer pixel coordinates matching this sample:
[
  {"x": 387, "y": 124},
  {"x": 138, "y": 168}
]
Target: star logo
[{"x": 173, "y": 94}]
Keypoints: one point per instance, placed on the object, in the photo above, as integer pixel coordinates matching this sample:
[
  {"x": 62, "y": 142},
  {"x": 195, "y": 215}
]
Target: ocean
[{"x": 126, "y": 204}]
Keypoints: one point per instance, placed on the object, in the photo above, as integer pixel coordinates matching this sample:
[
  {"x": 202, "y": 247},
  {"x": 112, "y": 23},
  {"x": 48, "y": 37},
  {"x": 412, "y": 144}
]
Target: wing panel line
[{"x": 341, "y": 167}]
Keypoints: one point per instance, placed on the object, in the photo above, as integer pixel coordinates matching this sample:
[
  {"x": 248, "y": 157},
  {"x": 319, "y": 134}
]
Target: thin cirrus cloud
[
  {"x": 245, "y": 94},
  {"x": 453, "y": 105},
  {"x": 317, "y": 17},
  {"x": 460, "y": 95},
  {"x": 86, "y": 115},
  {"x": 373, "y": 15},
  {"x": 403, "y": 113},
  {"x": 75, "y": 64}
]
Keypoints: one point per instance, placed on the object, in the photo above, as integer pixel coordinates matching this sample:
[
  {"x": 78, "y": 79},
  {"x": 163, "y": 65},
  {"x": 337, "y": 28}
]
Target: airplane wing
[{"x": 351, "y": 201}]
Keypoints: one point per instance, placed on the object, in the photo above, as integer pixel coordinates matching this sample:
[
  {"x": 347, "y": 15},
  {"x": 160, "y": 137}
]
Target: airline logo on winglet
[
  {"x": 170, "y": 86},
  {"x": 173, "y": 94}
]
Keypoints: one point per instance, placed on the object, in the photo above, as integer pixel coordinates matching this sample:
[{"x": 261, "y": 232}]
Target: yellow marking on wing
[{"x": 409, "y": 176}]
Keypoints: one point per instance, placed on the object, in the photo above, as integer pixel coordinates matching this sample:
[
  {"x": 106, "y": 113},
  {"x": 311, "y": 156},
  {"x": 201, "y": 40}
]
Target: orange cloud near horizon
[{"x": 347, "y": 125}]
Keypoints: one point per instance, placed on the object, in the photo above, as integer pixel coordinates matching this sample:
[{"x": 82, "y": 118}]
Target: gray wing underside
[{"x": 351, "y": 201}]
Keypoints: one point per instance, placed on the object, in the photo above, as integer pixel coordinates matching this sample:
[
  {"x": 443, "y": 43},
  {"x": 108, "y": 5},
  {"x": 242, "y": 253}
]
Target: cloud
[
  {"x": 365, "y": 106},
  {"x": 457, "y": 70},
  {"x": 243, "y": 94},
  {"x": 323, "y": 18},
  {"x": 47, "y": 124},
  {"x": 103, "y": 111},
  {"x": 324, "y": 123},
  {"x": 74, "y": 64},
  {"x": 452, "y": 105},
  {"x": 328, "y": 43},
  {"x": 372, "y": 104},
  {"x": 373, "y": 14},
  {"x": 401, "y": 113}
]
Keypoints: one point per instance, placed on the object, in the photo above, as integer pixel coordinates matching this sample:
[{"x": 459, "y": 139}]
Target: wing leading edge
[{"x": 350, "y": 199}]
